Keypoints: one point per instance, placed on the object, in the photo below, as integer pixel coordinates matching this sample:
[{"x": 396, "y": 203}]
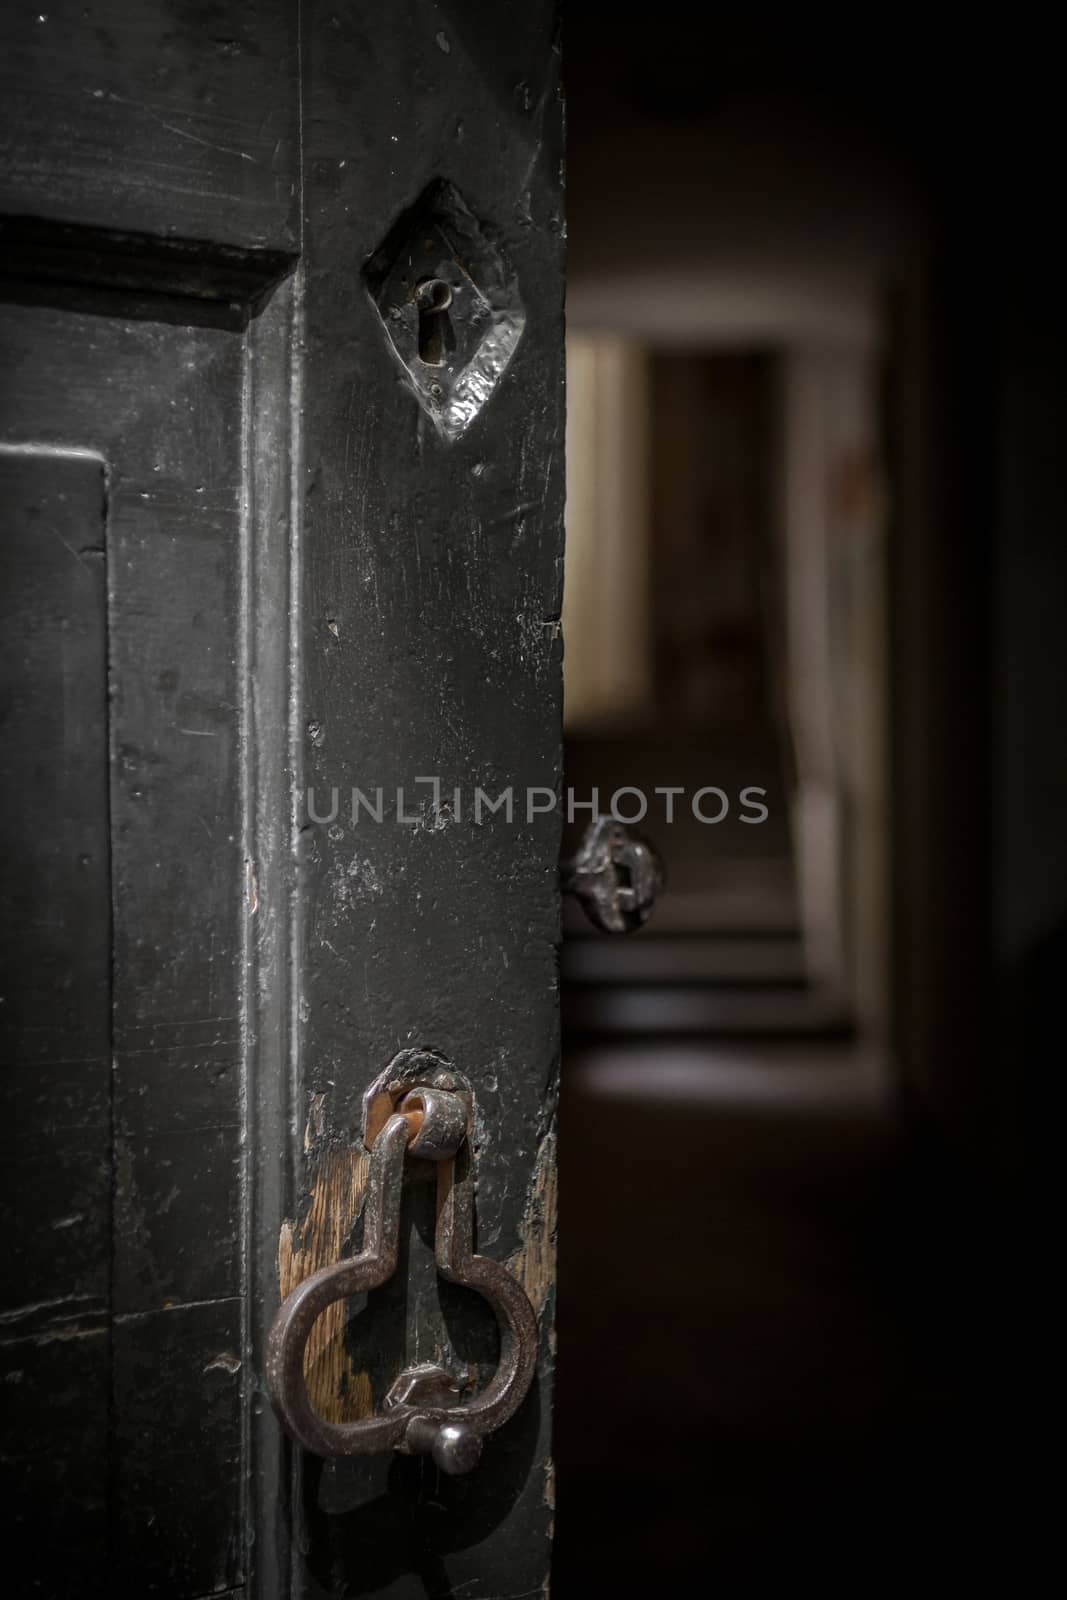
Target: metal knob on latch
[
  {"x": 615, "y": 874},
  {"x": 418, "y": 1108}
]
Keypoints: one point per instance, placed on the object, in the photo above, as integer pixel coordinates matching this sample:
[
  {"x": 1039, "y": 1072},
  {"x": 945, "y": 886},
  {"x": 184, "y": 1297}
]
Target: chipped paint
[
  {"x": 225, "y": 1361},
  {"x": 534, "y": 1263},
  {"x": 315, "y": 1126},
  {"x": 337, "y": 1391}
]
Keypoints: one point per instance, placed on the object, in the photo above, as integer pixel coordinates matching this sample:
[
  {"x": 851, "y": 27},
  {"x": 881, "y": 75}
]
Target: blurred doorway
[{"x": 724, "y": 619}]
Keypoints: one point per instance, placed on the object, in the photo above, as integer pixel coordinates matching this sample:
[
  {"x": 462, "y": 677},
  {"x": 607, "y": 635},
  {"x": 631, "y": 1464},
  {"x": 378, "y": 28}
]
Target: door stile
[{"x": 271, "y": 761}]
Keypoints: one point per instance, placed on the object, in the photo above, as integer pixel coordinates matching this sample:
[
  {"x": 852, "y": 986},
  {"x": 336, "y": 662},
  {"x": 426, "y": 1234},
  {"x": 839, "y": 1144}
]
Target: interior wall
[
  {"x": 834, "y": 554},
  {"x": 606, "y": 623}
]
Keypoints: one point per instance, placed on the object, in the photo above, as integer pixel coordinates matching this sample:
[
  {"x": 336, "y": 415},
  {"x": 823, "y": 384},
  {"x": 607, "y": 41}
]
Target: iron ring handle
[{"x": 415, "y": 1420}]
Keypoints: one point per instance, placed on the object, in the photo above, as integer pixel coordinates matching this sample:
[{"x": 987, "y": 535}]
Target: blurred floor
[{"x": 782, "y": 1354}]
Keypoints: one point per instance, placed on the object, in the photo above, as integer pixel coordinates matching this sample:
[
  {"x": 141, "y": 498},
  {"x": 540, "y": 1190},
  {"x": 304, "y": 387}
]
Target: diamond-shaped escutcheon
[{"x": 449, "y": 304}]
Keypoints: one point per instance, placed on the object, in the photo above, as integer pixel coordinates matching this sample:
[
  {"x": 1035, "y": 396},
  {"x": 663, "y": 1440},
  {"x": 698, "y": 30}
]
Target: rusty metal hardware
[
  {"x": 417, "y": 1108},
  {"x": 616, "y": 875}
]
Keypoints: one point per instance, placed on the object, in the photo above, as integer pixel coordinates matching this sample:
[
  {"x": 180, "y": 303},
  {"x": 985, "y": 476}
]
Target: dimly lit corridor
[{"x": 804, "y": 1268}]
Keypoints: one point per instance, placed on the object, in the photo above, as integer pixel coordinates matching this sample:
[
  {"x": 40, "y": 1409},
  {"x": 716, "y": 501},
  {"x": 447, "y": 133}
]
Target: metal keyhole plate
[{"x": 449, "y": 305}]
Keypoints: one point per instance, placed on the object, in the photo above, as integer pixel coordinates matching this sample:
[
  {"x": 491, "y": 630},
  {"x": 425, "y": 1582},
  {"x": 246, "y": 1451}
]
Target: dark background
[{"x": 804, "y": 1316}]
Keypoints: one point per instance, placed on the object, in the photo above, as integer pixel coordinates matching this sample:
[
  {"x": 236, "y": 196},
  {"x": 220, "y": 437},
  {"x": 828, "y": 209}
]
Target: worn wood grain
[
  {"x": 155, "y": 412},
  {"x": 337, "y": 1390},
  {"x": 167, "y": 117},
  {"x": 177, "y": 1456}
]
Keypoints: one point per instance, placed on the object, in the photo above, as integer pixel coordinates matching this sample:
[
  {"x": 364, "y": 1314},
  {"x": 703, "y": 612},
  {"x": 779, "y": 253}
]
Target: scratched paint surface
[
  {"x": 168, "y": 117},
  {"x": 305, "y": 586},
  {"x": 129, "y": 1333},
  {"x": 430, "y": 638}
]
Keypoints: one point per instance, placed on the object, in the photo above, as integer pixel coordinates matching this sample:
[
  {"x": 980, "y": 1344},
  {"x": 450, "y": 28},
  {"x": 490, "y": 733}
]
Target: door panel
[
  {"x": 56, "y": 986},
  {"x": 122, "y": 569}
]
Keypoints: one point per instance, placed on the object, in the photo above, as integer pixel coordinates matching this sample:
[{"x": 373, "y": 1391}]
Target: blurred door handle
[{"x": 616, "y": 874}]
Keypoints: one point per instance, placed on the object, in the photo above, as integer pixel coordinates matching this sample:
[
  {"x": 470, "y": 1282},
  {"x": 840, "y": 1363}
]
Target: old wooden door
[{"x": 282, "y": 487}]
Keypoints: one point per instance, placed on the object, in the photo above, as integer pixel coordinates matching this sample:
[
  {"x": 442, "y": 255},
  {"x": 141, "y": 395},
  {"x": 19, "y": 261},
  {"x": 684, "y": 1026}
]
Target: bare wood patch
[
  {"x": 534, "y": 1264},
  {"x": 337, "y": 1391}
]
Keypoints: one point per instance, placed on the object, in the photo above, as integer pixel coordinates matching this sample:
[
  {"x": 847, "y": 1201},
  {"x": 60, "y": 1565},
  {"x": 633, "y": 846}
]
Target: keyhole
[{"x": 433, "y": 297}]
